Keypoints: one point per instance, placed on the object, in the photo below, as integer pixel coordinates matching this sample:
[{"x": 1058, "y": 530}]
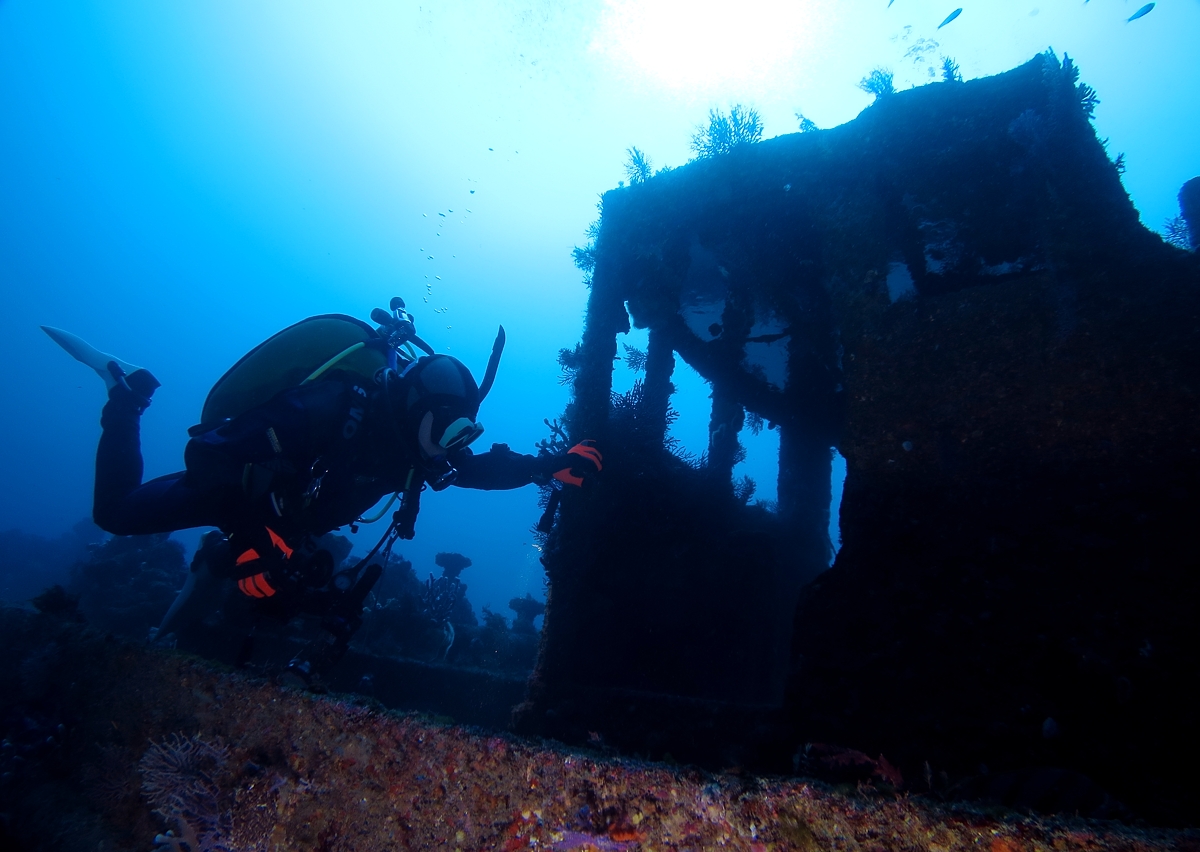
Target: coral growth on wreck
[
  {"x": 726, "y": 131},
  {"x": 260, "y": 768},
  {"x": 878, "y": 83}
]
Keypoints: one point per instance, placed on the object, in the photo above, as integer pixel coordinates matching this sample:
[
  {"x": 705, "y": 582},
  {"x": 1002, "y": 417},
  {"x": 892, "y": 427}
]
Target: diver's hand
[
  {"x": 262, "y": 583},
  {"x": 263, "y": 566},
  {"x": 582, "y": 462}
]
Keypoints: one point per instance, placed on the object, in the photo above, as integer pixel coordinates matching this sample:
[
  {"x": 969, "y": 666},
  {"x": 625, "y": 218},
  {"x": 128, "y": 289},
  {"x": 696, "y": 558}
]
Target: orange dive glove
[
  {"x": 258, "y": 574},
  {"x": 587, "y": 462}
]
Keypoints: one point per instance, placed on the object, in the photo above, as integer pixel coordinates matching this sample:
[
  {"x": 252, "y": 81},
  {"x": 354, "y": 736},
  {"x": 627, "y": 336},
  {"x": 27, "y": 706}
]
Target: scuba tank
[{"x": 305, "y": 351}]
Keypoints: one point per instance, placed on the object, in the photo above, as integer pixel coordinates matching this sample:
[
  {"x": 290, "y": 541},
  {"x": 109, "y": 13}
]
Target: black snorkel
[{"x": 489, "y": 375}]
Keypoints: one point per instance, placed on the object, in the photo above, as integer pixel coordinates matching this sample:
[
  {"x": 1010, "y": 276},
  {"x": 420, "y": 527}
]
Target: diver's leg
[
  {"x": 201, "y": 592},
  {"x": 164, "y": 504},
  {"x": 119, "y": 454},
  {"x": 122, "y": 504}
]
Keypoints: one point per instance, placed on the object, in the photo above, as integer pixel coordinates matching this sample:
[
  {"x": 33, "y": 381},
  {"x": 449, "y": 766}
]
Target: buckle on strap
[{"x": 318, "y": 472}]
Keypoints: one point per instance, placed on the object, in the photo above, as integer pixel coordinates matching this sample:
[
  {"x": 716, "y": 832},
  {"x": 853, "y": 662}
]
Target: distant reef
[
  {"x": 955, "y": 292},
  {"x": 109, "y": 746}
]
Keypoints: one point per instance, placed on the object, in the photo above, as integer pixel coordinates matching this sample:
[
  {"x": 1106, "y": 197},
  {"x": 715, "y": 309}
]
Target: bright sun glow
[{"x": 704, "y": 46}]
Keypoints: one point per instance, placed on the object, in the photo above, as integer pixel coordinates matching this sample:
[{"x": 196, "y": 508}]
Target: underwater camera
[{"x": 340, "y": 606}]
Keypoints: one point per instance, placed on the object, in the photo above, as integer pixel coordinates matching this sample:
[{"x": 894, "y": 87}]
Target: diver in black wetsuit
[{"x": 311, "y": 459}]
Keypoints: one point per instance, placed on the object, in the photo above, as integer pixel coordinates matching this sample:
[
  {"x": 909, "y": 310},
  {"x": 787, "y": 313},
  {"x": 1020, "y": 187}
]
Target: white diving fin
[{"x": 85, "y": 353}]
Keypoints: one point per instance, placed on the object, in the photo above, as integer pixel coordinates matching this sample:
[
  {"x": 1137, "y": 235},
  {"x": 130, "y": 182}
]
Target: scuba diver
[{"x": 305, "y": 434}]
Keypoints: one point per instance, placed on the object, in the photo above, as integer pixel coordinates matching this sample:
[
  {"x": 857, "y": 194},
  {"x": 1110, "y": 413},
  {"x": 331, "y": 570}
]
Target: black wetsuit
[{"x": 310, "y": 460}]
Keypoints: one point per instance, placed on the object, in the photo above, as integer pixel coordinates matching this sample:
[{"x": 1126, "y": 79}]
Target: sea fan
[
  {"x": 638, "y": 168},
  {"x": 1088, "y": 99},
  {"x": 1176, "y": 233},
  {"x": 878, "y": 83},
  {"x": 741, "y": 126},
  {"x": 180, "y": 780},
  {"x": 635, "y": 359}
]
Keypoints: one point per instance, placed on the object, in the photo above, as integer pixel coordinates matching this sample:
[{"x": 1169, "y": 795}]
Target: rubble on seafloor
[{"x": 97, "y": 732}]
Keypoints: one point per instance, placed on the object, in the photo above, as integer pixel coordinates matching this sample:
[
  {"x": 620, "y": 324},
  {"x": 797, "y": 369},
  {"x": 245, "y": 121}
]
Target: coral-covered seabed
[{"x": 108, "y": 745}]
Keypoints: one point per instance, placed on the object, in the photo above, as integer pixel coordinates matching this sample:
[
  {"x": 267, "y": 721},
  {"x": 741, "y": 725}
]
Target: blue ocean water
[{"x": 178, "y": 182}]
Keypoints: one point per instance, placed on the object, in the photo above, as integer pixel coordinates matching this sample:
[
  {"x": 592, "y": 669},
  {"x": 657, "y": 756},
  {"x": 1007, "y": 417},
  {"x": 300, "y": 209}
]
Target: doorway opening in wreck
[
  {"x": 837, "y": 484},
  {"x": 692, "y": 402},
  {"x": 631, "y": 360},
  {"x": 761, "y": 463}
]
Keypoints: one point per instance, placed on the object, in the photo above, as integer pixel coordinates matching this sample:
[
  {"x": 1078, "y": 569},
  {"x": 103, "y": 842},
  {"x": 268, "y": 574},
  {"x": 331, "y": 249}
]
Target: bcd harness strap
[{"x": 405, "y": 518}]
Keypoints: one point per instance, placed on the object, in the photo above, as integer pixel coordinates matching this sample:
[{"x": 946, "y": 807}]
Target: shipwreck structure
[{"x": 955, "y": 292}]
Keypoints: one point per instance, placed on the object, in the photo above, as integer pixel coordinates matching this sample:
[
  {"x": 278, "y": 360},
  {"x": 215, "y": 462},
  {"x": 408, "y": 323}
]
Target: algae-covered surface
[{"x": 109, "y": 745}]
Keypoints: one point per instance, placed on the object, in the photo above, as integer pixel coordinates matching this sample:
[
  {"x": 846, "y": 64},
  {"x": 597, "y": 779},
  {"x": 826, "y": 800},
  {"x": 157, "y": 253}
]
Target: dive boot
[{"x": 132, "y": 389}]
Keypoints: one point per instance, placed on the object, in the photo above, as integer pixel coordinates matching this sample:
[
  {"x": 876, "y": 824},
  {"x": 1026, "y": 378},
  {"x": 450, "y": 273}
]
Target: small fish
[
  {"x": 1140, "y": 13},
  {"x": 950, "y": 17},
  {"x": 890, "y": 2}
]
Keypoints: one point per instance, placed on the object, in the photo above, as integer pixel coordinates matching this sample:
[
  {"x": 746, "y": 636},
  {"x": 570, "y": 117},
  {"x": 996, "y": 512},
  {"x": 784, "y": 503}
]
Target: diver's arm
[{"x": 502, "y": 469}]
